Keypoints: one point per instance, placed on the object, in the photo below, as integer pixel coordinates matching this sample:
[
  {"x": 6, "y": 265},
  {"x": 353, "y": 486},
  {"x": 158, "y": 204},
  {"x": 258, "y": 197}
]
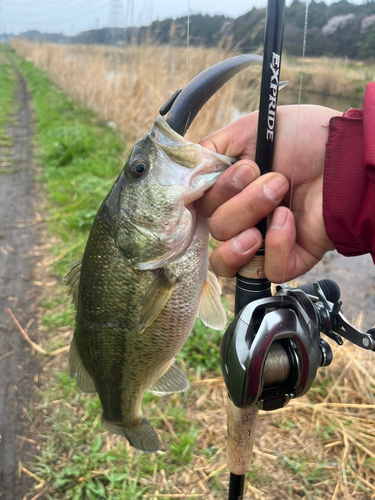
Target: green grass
[
  {"x": 7, "y": 102},
  {"x": 76, "y": 460},
  {"x": 80, "y": 160}
]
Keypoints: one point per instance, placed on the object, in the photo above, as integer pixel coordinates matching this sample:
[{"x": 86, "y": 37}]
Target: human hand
[{"x": 296, "y": 238}]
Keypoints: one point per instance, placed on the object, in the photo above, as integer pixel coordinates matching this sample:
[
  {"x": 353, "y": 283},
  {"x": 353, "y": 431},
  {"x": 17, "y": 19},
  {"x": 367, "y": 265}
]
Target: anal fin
[
  {"x": 142, "y": 437},
  {"x": 173, "y": 380},
  {"x": 85, "y": 382}
]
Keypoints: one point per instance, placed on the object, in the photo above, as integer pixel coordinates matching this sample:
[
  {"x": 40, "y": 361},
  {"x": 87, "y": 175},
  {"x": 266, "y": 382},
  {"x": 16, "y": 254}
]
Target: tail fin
[{"x": 142, "y": 437}]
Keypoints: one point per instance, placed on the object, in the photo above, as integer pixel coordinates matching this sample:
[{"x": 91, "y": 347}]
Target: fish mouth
[{"x": 159, "y": 249}]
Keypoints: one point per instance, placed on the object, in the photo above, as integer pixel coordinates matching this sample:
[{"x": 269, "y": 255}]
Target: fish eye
[{"x": 138, "y": 169}]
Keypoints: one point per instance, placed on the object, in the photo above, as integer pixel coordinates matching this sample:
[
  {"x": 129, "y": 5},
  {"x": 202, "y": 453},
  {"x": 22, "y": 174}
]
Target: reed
[
  {"x": 328, "y": 76},
  {"x": 128, "y": 85}
]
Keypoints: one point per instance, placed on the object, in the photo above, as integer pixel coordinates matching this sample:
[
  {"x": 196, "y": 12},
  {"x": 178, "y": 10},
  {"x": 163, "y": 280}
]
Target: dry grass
[
  {"x": 129, "y": 85},
  {"x": 319, "y": 446},
  {"x": 328, "y": 76}
]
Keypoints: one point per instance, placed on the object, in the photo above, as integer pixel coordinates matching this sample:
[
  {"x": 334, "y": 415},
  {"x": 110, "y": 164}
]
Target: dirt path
[{"x": 18, "y": 368}]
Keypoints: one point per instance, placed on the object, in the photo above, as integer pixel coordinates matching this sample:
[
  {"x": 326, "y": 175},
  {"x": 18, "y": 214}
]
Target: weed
[
  {"x": 7, "y": 85},
  {"x": 201, "y": 350}
]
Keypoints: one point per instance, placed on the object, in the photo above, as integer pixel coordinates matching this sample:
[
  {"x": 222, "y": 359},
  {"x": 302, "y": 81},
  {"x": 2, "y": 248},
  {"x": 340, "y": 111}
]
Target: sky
[{"x": 73, "y": 16}]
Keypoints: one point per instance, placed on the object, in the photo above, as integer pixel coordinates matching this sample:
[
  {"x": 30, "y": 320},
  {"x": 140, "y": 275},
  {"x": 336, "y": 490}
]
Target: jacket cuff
[{"x": 349, "y": 180}]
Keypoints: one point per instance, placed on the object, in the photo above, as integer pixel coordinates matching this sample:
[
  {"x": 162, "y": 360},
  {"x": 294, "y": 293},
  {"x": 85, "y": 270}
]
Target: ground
[{"x": 18, "y": 292}]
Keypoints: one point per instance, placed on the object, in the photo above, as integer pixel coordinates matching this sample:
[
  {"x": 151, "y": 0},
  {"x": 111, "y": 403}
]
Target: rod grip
[
  {"x": 240, "y": 437},
  {"x": 241, "y": 423},
  {"x": 251, "y": 282},
  {"x": 253, "y": 269}
]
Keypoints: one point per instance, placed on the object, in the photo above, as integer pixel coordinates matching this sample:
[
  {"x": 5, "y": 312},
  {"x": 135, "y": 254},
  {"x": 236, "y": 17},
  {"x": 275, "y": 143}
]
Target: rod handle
[
  {"x": 253, "y": 269},
  {"x": 240, "y": 437},
  {"x": 251, "y": 283}
]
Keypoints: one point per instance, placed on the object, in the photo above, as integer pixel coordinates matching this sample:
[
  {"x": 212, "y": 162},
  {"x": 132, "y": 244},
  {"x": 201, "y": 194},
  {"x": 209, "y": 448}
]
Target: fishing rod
[
  {"x": 251, "y": 282},
  {"x": 272, "y": 350}
]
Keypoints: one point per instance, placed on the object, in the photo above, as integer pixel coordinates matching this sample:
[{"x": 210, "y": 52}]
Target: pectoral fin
[
  {"x": 173, "y": 380},
  {"x": 72, "y": 281},
  {"x": 85, "y": 383},
  {"x": 211, "y": 310},
  {"x": 154, "y": 300}
]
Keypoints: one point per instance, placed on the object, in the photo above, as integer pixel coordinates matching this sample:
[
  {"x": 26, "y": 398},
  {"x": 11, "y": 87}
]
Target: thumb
[{"x": 285, "y": 259}]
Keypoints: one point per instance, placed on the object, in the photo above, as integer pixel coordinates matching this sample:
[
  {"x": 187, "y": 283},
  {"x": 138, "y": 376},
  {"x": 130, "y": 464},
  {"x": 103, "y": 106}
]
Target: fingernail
[
  {"x": 243, "y": 176},
  {"x": 279, "y": 218},
  {"x": 275, "y": 188},
  {"x": 244, "y": 242}
]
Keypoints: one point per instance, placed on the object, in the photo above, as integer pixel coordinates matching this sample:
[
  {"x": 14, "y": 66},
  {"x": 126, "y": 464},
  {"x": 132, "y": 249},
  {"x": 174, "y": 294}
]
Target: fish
[{"x": 144, "y": 278}]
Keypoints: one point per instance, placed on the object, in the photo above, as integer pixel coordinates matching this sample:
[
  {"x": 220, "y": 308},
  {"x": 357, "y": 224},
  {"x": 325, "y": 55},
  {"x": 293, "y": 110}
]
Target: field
[
  {"x": 128, "y": 86},
  {"x": 319, "y": 446}
]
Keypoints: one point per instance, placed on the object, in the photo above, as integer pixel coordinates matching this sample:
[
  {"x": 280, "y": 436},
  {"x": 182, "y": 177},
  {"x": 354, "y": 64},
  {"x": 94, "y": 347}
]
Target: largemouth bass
[
  {"x": 144, "y": 275},
  {"x": 143, "y": 280}
]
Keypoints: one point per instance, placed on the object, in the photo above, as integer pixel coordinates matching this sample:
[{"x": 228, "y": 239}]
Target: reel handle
[{"x": 330, "y": 289}]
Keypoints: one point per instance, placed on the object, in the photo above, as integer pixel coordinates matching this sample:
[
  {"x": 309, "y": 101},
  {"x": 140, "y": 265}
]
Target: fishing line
[
  {"x": 187, "y": 41},
  {"x": 297, "y": 123}
]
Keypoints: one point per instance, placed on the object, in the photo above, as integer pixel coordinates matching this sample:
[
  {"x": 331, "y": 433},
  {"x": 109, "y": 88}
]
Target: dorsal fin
[{"x": 85, "y": 382}]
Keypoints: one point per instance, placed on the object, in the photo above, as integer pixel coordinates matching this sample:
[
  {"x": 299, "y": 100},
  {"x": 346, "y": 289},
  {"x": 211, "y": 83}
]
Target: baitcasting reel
[{"x": 272, "y": 350}]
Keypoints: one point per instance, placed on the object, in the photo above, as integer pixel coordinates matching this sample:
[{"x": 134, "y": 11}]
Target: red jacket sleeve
[{"x": 349, "y": 179}]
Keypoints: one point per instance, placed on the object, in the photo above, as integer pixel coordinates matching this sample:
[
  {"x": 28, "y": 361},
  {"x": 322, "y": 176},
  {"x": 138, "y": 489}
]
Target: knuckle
[
  {"x": 252, "y": 208},
  {"x": 221, "y": 263},
  {"x": 218, "y": 228}
]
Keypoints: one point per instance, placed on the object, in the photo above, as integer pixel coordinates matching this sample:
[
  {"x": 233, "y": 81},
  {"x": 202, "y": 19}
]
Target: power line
[
  {"x": 88, "y": 3},
  {"x": 140, "y": 16},
  {"x": 129, "y": 16},
  {"x": 57, "y": 19}
]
